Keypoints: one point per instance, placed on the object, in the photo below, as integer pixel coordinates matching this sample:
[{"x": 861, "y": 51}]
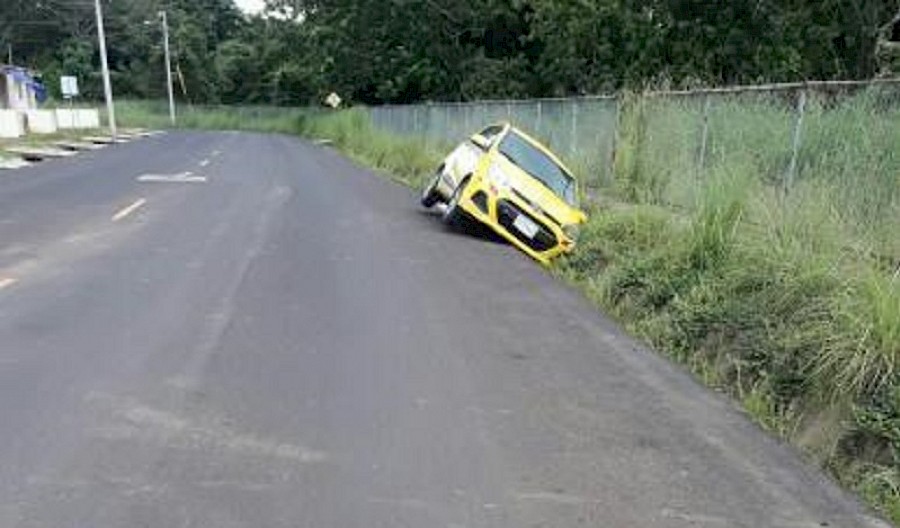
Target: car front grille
[
  {"x": 535, "y": 206},
  {"x": 507, "y": 212}
]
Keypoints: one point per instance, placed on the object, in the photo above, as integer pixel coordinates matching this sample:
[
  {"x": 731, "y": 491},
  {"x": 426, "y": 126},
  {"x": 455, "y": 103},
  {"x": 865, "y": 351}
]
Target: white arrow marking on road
[
  {"x": 128, "y": 210},
  {"x": 204, "y": 163},
  {"x": 183, "y": 177},
  {"x": 6, "y": 282}
]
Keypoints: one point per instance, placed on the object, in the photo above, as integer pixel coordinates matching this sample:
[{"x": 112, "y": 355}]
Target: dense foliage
[{"x": 411, "y": 50}]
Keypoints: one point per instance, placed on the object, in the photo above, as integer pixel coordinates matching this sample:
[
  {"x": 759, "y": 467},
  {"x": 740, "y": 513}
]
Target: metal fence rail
[{"x": 583, "y": 130}]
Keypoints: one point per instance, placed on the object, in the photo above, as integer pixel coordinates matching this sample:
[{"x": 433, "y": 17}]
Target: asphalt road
[{"x": 294, "y": 343}]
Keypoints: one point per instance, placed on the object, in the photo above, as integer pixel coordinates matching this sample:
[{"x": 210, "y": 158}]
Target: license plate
[{"x": 526, "y": 226}]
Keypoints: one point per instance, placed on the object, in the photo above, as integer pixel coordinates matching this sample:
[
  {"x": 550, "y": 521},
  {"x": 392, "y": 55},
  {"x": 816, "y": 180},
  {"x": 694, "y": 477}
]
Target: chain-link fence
[
  {"x": 823, "y": 153},
  {"x": 581, "y": 130}
]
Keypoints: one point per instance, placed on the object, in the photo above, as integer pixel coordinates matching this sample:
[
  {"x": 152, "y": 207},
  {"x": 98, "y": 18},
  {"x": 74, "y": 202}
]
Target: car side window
[
  {"x": 485, "y": 139},
  {"x": 490, "y": 133}
]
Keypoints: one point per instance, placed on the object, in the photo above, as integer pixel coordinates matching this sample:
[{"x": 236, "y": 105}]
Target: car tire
[
  {"x": 430, "y": 196},
  {"x": 454, "y": 215}
]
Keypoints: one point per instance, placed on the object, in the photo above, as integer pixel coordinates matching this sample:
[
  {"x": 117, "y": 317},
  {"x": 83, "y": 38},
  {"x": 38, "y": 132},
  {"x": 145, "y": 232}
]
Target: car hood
[{"x": 528, "y": 188}]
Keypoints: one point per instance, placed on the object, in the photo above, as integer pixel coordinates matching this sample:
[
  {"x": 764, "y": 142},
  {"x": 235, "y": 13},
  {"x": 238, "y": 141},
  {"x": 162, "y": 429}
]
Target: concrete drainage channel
[{"x": 17, "y": 156}]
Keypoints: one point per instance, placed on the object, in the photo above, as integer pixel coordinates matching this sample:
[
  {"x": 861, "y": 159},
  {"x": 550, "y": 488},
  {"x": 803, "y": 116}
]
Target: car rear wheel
[
  {"x": 454, "y": 215},
  {"x": 430, "y": 195}
]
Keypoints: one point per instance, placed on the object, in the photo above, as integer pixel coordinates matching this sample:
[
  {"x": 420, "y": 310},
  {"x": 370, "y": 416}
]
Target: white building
[
  {"x": 18, "y": 89},
  {"x": 20, "y": 94}
]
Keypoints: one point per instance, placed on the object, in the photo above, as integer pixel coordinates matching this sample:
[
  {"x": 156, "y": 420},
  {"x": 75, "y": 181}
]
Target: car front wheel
[
  {"x": 430, "y": 195},
  {"x": 454, "y": 215}
]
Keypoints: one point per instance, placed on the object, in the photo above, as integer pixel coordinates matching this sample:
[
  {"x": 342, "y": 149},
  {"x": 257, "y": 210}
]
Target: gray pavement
[{"x": 289, "y": 341}]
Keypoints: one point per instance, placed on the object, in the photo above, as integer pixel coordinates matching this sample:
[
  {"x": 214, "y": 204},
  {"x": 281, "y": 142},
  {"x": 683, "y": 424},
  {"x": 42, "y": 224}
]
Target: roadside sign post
[
  {"x": 333, "y": 100},
  {"x": 69, "y": 88}
]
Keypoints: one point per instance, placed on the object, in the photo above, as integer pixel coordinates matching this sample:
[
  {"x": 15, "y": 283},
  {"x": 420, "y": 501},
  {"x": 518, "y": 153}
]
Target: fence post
[
  {"x": 705, "y": 138},
  {"x": 416, "y": 120},
  {"x": 429, "y": 122},
  {"x": 798, "y": 132},
  {"x": 611, "y": 161},
  {"x": 466, "y": 118},
  {"x": 574, "y": 138},
  {"x": 509, "y": 111},
  {"x": 539, "y": 120}
]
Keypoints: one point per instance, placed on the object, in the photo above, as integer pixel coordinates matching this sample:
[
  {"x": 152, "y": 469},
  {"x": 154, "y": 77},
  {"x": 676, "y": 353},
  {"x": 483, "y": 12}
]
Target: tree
[{"x": 403, "y": 51}]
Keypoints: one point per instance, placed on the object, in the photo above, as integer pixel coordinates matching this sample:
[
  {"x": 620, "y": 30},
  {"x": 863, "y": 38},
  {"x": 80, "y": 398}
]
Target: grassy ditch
[
  {"x": 786, "y": 302},
  {"x": 807, "y": 340}
]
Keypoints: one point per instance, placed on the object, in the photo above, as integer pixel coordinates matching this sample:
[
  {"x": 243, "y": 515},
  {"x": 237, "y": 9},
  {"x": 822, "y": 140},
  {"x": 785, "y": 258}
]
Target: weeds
[
  {"x": 865, "y": 357},
  {"x": 262, "y": 119},
  {"x": 407, "y": 161}
]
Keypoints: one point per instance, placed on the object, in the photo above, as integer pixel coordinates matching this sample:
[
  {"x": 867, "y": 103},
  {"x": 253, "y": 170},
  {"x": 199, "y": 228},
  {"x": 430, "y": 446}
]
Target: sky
[{"x": 250, "y": 6}]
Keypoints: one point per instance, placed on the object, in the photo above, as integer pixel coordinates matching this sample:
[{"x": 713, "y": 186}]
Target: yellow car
[{"x": 508, "y": 181}]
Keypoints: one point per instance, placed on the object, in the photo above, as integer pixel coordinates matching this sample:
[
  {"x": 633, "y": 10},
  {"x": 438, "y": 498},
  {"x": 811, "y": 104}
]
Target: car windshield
[{"x": 524, "y": 155}]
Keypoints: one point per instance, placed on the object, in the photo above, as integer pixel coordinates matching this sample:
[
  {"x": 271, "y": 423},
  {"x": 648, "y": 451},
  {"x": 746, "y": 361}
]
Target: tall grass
[
  {"x": 787, "y": 297},
  {"x": 407, "y": 160},
  {"x": 865, "y": 358},
  {"x": 789, "y": 301},
  {"x": 155, "y": 114}
]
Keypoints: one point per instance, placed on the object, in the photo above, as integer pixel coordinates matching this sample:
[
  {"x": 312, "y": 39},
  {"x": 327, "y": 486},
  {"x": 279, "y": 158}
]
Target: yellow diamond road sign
[{"x": 333, "y": 100}]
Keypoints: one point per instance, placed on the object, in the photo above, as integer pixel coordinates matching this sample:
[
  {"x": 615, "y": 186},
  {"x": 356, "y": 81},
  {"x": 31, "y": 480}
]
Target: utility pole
[
  {"x": 165, "y": 28},
  {"x": 107, "y": 84},
  {"x": 9, "y": 54}
]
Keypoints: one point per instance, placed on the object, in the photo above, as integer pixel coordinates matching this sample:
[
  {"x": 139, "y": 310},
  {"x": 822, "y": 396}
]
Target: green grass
[
  {"x": 788, "y": 301},
  {"x": 155, "y": 114},
  {"x": 42, "y": 140},
  {"x": 409, "y": 161}
]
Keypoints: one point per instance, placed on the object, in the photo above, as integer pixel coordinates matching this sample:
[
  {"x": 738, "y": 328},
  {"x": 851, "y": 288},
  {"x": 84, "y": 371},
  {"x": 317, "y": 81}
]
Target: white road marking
[
  {"x": 204, "y": 163},
  {"x": 216, "y": 153},
  {"x": 183, "y": 177},
  {"x": 128, "y": 210},
  {"x": 7, "y": 282},
  {"x": 129, "y": 419}
]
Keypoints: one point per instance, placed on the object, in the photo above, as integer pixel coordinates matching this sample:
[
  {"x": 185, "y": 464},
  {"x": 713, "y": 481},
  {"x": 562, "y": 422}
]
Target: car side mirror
[{"x": 481, "y": 142}]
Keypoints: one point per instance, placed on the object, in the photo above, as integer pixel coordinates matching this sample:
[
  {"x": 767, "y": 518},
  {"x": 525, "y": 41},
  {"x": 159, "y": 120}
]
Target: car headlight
[
  {"x": 498, "y": 178},
  {"x": 572, "y": 231}
]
